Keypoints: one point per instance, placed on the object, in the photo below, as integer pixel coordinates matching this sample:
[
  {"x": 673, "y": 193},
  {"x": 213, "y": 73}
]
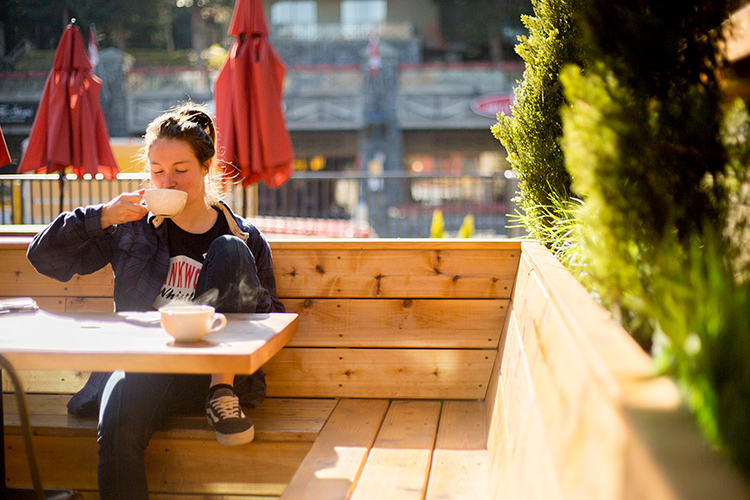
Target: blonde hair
[{"x": 191, "y": 123}]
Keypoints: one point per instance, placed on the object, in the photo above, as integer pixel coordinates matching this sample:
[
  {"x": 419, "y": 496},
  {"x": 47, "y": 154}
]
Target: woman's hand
[{"x": 124, "y": 208}]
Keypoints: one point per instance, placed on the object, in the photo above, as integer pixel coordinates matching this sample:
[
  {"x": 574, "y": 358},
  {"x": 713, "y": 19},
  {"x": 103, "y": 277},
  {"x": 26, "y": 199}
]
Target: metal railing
[
  {"x": 39, "y": 198},
  {"x": 331, "y": 31},
  {"x": 393, "y": 204}
]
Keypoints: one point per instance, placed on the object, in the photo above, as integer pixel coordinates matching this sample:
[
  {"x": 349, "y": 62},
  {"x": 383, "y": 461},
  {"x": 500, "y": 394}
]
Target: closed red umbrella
[
  {"x": 253, "y": 139},
  {"x": 69, "y": 128},
  {"x": 4, "y": 154}
]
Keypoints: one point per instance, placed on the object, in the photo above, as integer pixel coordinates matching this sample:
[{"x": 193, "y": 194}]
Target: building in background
[
  {"x": 383, "y": 87},
  {"x": 379, "y": 86}
]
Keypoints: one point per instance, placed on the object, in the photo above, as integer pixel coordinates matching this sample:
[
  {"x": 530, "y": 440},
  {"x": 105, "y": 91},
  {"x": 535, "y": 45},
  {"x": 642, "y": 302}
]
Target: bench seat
[
  {"x": 67, "y": 449},
  {"x": 277, "y": 419}
]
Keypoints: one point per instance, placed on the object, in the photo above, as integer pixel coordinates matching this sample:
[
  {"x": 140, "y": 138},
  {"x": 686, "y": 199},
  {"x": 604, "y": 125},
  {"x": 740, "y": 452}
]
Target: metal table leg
[{"x": 23, "y": 493}]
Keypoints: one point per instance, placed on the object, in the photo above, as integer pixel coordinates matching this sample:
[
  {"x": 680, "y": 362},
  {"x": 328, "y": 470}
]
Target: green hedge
[
  {"x": 623, "y": 99},
  {"x": 531, "y": 135}
]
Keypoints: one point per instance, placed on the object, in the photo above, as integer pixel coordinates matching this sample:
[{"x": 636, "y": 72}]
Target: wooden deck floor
[{"x": 360, "y": 448}]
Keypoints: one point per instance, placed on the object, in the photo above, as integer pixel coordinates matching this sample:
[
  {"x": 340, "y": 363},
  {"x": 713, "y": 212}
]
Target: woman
[{"x": 235, "y": 274}]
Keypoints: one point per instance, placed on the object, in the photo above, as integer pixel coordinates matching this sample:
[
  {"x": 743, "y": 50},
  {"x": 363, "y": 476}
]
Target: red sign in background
[{"x": 491, "y": 105}]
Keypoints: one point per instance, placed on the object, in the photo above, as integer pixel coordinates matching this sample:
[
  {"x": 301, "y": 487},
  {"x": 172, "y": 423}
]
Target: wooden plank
[
  {"x": 172, "y": 465},
  {"x": 561, "y": 400},
  {"x": 610, "y": 352},
  {"x": 19, "y": 278},
  {"x": 578, "y": 417},
  {"x": 60, "y": 381},
  {"x": 497, "y": 423},
  {"x": 306, "y": 269},
  {"x": 63, "y": 462},
  {"x": 20, "y": 230},
  {"x": 425, "y": 323},
  {"x": 460, "y": 463},
  {"x": 380, "y": 373},
  {"x": 48, "y": 415},
  {"x": 493, "y": 387},
  {"x": 396, "y": 273},
  {"x": 89, "y": 304},
  {"x": 275, "y": 420},
  {"x": 71, "y": 303},
  {"x": 334, "y": 244},
  {"x": 94, "y": 495},
  {"x": 428, "y": 323},
  {"x": 519, "y": 300},
  {"x": 261, "y": 468},
  {"x": 399, "y": 461},
  {"x": 52, "y": 304},
  {"x": 20, "y": 238},
  {"x": 531, "y": 473},
  {"x": 596, "y": 436},
  {"x": 331, "y": 469},
  {"x": 13, "y": 241}
]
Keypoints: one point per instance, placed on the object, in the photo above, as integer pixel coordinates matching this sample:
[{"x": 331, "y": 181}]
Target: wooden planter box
[{"x": 578, "y": 411}]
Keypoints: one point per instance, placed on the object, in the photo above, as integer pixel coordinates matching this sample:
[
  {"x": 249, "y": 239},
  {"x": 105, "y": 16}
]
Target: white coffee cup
[
  {"x": 190, "y": 323},
  {"x": 165, "y": 202}
]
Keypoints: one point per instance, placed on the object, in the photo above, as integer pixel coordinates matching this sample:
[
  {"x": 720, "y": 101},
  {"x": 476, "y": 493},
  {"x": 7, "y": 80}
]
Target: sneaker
[{"x": 225, "y": 415}]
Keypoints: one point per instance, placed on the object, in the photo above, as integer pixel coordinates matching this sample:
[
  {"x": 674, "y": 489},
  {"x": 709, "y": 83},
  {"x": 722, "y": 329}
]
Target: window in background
[
  {"x": 294, "y": 12},
  {"x": 359, "y": 14},
  {"x": 295, "y": 19}
]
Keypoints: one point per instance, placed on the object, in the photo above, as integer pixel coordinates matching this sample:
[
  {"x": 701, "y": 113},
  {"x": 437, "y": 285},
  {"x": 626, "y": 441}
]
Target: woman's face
[{"x": 173, "y": 165}]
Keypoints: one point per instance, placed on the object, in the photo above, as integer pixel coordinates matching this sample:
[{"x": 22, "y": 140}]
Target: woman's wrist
[{"x": 105, "y": 222}]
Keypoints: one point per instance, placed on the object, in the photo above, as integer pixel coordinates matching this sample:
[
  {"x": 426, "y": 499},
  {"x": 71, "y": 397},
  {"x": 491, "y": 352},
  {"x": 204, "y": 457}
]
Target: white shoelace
[{"x": 227, "y": 407}]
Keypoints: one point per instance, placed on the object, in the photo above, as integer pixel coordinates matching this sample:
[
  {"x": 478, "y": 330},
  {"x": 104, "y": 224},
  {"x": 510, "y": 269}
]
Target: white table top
[{"x": 136, "y": 342}]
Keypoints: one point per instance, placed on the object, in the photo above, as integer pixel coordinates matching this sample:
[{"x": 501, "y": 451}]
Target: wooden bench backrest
[{"x": 378, "y": 318}]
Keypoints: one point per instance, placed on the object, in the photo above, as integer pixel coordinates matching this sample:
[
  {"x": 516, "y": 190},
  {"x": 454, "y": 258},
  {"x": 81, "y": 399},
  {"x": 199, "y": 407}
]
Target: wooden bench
[
  {"x": 381, "y": 324},
  {"x": 422, "y": 369}
]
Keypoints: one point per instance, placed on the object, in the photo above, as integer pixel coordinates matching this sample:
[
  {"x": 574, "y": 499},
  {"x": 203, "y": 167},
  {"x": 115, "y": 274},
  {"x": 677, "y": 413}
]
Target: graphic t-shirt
[{"x": 186, "y": 254}]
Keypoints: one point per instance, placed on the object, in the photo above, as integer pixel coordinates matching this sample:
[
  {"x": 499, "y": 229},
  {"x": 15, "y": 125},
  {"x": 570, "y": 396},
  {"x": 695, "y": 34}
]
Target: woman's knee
[
  {"x": 231, "y": 247},
  {"x": 229, "y": 277}
]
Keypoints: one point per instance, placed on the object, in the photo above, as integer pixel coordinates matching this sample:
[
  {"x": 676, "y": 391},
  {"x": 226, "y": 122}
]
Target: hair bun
[
  {"x": 194, "y": 114},
  {"x": 198, "y": 116}
]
